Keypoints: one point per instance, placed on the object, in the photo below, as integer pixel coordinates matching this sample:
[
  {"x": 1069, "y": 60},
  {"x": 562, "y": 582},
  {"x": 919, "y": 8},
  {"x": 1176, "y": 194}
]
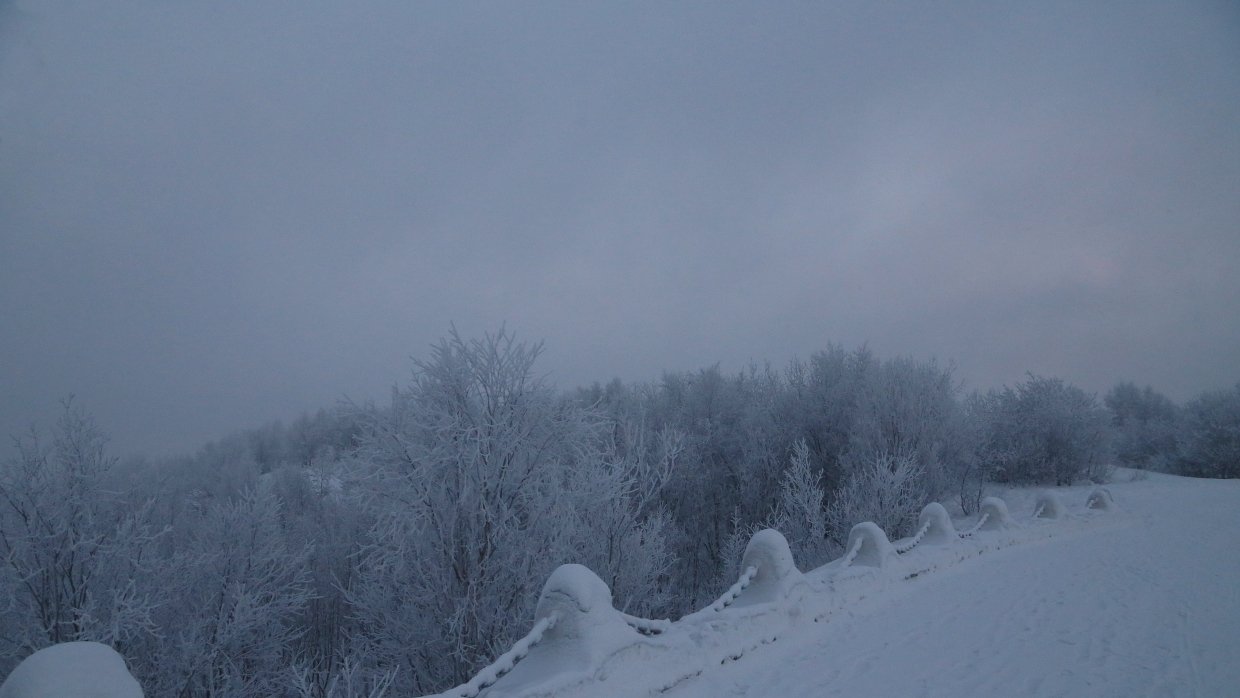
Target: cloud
[{"x": 214, "y": 214}]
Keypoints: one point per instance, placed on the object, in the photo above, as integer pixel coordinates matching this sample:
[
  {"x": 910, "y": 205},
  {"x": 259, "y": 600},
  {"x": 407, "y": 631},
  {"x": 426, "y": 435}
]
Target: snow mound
[
  {"x": 1100, "y": 498},
  {"x": 72, "y": 670},
  {"x": 580, "y": 601},
  {"x": 1048, "y": 505},
  {"x": 875, "y": 548},
  {"x": 585, "y": 629},
  {"x": 941, "y": 530},
  {"x": 996, "y": 512},
  {"x": 777, "y": 573}
]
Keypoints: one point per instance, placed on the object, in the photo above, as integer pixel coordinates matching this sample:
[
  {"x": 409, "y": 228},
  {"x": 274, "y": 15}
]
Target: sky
[{"x": 217, "y": 214}]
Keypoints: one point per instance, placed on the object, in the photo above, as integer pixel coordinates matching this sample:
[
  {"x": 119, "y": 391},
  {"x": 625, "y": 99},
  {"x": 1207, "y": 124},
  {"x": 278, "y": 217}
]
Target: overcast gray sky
[{"x": 214, "y": 214}]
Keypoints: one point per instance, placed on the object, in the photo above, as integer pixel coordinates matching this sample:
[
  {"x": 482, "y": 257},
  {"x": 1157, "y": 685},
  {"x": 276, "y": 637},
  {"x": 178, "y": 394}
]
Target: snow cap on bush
[
  {"x": 1048, "y": 505},
  {"x": 1100, "y": 498},
  {"x": 996, "y": 513},
  {"x": 875, "y": 550},
  {"x": 577, "y": 597},
  {"x": 941, "y": 530},
  {"x": 768, "y": 551},
  {"x": 72, "y": 670}
]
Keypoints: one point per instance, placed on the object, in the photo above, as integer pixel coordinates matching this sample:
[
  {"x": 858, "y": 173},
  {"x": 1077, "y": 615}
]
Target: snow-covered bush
[
  {"x": 941, "y": 530},
  {"x": 1100, "y": 498},
  {"x": 777, "y": 572},
  {"x": 873, "y": 547},
  {"x": 72, "y": 670},
  {"x": 581, "y": 605},
  {"x": 1048, "y": 505},
  {"x": 995, "y": 513}
]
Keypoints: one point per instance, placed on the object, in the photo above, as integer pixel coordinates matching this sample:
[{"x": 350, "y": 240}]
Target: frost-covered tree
[
  {"x": 1145, "y": 427},
  {"x": 909, "y": 407},
  {"x": 317, "y": 516},
  {"x": 798, "y": 512},
  {"x": 1212, "y": 435},
  {"x": 1043, "y": 431},
  {"x": 75, "y": 544},
  {"x": 481, "y": 480},
  {"x": 734, "y": 452},
  {"x": 884, "y": 489},
  {"x": 972, "y": 470},
  {"x": 237, "y": 593},
  {"x": 822, "y": 399}
]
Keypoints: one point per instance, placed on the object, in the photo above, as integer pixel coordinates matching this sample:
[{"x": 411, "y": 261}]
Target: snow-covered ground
[{"x": 1140, "y": 601}]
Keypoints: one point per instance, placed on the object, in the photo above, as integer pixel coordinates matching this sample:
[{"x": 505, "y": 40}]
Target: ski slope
[{"x": 1140, "y": 601}]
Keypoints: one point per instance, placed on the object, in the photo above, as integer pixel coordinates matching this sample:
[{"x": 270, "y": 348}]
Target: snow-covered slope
[{"x": 1140, "y": 600}]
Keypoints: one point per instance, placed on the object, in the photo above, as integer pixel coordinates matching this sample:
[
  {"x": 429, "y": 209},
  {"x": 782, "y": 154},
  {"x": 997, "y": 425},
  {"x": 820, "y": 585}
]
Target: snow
[
  {"x": 1049, "y": 505},
  {"x": 995, "y": 515},
  {"x": 777, "y": 572},
  {"x": 941, "y": 531},
  {"x": 1095, "y": 603},
  {"x": 72, "y": 670},
  {"x": 729, "y": 597},
  {"x": 1101, "y": 498},
  {"x": 583, "y": 629},
  {"x": 875, "y": 550}
]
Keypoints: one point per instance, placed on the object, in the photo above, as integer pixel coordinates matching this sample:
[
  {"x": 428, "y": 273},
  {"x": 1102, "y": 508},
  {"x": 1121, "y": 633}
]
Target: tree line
[{"x": 403, "y": 544}]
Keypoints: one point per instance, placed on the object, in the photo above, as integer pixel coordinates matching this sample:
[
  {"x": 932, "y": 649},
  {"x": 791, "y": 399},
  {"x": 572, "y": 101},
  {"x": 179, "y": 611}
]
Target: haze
[{"x": 214, "y": 214}]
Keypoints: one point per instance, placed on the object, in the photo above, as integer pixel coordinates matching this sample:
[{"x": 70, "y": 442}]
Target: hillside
[{"x": 1140, "y": 601}]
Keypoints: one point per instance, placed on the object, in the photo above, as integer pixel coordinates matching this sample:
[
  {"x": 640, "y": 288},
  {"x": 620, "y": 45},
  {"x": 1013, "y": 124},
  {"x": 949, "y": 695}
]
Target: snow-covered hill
[{"x": 1140, "y": 601}]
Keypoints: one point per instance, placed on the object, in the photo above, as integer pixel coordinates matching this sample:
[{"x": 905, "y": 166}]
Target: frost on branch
[
  {"x": 777, "y": 572},
  {"x": 1100, "y": 498},
  {"x": 1048, "y": 505},
  {"x": 996, "y": 512},
  {"x": 72, "y": 670},
  {"x": 941, "y": 530},
  {"x": 875, "y": 548}
]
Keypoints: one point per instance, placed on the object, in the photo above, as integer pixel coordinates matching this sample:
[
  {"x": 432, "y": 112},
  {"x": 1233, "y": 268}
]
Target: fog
[{"x": 217, "y": 214}]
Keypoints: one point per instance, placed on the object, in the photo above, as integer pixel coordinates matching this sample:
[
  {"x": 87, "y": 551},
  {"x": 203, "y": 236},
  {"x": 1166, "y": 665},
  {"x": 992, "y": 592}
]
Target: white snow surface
[
  {"x": 775, "y": 573},
  {"x": 72, "y": 670},
  {"x": 1139, "y": 600}
]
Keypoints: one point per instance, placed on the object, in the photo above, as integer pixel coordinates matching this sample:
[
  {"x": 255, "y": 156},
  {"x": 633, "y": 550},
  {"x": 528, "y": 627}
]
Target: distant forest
[{"x": 406, "y": 542}]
